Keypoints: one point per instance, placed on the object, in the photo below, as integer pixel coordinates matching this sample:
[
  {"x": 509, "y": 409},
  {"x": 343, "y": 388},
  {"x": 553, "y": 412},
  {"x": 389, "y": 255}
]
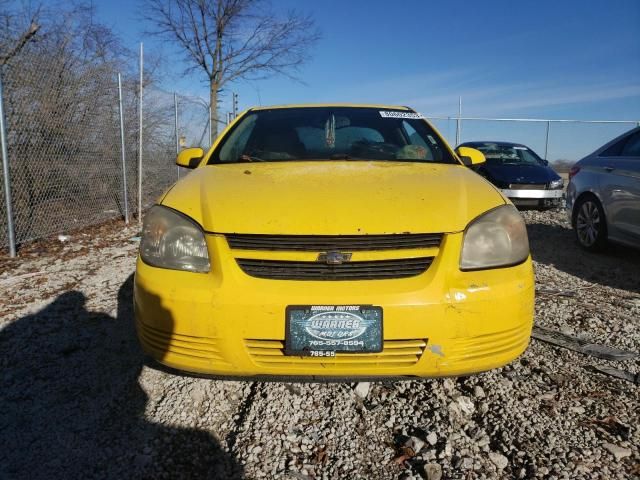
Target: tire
[{"x": 589, "y": 224}]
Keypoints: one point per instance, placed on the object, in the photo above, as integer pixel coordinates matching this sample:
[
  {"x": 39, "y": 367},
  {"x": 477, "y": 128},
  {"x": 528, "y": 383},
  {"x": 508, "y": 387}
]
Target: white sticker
[
  {"x": 388, "y": 114},
  {"x": 520, "y": 148}
]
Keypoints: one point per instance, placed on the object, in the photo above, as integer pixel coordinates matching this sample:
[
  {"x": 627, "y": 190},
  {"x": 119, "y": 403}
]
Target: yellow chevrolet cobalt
[{"x": 333, "y": 241}]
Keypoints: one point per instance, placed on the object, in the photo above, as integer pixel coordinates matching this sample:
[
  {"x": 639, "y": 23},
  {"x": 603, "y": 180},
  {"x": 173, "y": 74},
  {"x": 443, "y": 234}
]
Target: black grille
[
  {"x": 323, "y": 243},
  {"x": 369, "y": 270}
]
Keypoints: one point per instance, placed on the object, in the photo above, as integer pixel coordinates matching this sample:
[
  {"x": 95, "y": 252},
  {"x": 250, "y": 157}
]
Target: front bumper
[{"x": 440, "y": 323}]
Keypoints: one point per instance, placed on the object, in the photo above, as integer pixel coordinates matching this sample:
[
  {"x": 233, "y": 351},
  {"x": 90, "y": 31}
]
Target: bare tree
[
  {"x": 231, "y": 40},
  {"x": 13, "y": 36}
]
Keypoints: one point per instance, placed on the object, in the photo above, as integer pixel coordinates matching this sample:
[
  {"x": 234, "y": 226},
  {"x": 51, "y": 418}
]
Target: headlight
[
  {"x": 556, "y": 183},
  {"x": 171, "y": 240},
  {"x": 496, "y": 239}
]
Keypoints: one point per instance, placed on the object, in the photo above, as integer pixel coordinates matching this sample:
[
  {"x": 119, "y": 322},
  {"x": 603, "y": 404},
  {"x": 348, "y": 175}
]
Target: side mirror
[
  {"x": 545, "y": 162},
  {"x": 190, "y": 157},
  {"x": 470, "y": 156}
]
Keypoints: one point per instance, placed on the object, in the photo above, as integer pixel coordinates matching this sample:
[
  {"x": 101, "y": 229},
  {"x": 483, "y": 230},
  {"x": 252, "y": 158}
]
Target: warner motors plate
[{"x": 323, "y": 330}]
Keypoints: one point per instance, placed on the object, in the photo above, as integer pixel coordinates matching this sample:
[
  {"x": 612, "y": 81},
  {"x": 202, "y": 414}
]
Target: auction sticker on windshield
[
  {"x": 391, "y": 114},
  {"x": 323, "y": 330}
]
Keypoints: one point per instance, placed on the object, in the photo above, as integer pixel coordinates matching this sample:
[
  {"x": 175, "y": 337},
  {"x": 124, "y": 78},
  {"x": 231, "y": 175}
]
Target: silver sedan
[{"x": 603, "y": 196}]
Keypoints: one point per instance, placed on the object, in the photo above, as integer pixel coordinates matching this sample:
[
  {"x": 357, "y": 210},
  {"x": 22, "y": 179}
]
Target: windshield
[
  {"x": 502, "y": 154},
  {"x": 331, "y": 133}
]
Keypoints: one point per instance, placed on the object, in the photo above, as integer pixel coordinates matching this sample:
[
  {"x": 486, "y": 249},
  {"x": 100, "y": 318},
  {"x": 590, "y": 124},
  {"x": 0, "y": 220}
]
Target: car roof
[
  {"x": 318, "y": 105},
  {"x": 504, "y": 144}
]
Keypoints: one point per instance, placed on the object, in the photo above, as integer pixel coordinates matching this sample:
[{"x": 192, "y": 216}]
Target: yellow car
[{"x": 333, "y": 241}]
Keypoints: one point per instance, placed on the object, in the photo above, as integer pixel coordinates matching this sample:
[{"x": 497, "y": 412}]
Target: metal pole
[
  {"x": 546, "y": 140},
  {"x": 140, "y": 139},
  {"x": 175, "y": 108},
  {"x": 210, "y": 137},
  {"x": 5, "y": 175},
  {"x": 459, "y": 122},
  {"x": 124, "y": 162},
  {"x": 235, "y": 105}
]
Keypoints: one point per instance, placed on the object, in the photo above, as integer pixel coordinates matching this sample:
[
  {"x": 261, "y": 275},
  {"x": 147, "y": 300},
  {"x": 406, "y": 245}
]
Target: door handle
[{"x": 609, "y": 169}]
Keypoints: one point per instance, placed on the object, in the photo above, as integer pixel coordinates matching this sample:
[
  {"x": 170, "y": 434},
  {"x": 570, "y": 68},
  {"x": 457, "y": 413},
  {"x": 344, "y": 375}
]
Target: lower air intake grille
[
  {"x": 323, "y": 243},
  {"x": 368, "y": 270},
  {"x": 395, "y": 353}
]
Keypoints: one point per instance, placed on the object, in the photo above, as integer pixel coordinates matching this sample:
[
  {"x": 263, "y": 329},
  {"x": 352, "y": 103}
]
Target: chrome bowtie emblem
[{"x": 334, "y": 258}]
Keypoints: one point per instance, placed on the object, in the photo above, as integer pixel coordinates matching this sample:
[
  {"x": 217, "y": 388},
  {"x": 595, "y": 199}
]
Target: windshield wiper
[
  {"x": 344, "y": 156},
  {"x": 249, "y": 158}
]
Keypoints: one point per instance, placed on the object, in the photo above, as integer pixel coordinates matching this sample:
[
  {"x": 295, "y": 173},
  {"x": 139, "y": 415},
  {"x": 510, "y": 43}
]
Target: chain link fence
[
  {"x": 64, "y": 143},
  {"x": 159, "y": 152},
  {"x": 170, "y": 122}
]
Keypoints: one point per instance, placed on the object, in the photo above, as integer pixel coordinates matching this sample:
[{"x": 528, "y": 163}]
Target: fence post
[
  {"x": 546, "y": 140},
  {"x": 459, "y": 122},
  {"x": 175, "y": 110},
  {"x": 6, "y": 176},
  {"x": 210, "y": 138},
  {"x": 124, "y": 158},
  {"x": 140, "y": 140}
]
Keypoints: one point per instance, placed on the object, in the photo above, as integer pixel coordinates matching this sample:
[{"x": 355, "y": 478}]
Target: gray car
[{"x": 603, "y": 196}]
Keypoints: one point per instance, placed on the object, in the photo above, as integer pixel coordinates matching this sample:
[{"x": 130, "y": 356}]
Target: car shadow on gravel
[
  {"x": 616, "y": 267},
  {"x": 71, "y": 405}
]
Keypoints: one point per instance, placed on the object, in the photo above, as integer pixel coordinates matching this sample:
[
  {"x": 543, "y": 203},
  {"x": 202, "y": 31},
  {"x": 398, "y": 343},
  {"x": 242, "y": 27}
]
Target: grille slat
[
  {"x": 395, "y": 353},
  {"x": 319, "y": 243},
  {"x": 366, "y": 270}
]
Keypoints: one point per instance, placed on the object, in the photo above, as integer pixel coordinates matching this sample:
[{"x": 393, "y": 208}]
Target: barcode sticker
[{"x": 389, "y": 114}]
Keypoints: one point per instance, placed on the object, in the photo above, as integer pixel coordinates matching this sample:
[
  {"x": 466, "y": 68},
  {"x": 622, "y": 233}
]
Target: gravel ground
[{"x": 78, "y": 400}]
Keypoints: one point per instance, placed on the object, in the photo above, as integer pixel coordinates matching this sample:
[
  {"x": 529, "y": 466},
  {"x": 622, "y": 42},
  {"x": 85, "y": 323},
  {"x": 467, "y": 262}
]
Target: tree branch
[
  {"x": 20, "y": 43},
  {"x": 234, "y": 39}
]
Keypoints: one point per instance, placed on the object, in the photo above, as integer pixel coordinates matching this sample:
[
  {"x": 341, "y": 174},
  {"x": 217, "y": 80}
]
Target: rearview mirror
[
  {"x": 190, "y": 157},
  {"x": 470, "y": 156}
]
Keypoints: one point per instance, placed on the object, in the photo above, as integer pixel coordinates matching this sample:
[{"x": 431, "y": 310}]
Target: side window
[
  {"x": 614, "y": 150},
  {"x": 632, "y": 147},
  {"x": 529, "y": 157},
  {"x": 414, "y": 138}
]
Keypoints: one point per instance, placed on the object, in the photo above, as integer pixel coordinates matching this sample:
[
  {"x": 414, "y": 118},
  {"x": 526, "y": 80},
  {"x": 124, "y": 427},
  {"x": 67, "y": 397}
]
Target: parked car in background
[
  {"x": 603, "y": 196},
  {"x": 333, "y": 240},
  {"x": 522, "y": 176}
]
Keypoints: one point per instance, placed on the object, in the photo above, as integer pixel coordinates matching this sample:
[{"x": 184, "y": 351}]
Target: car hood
[
  {"x": 519, "y": 173},
  {"x": 332, "y": 197}
]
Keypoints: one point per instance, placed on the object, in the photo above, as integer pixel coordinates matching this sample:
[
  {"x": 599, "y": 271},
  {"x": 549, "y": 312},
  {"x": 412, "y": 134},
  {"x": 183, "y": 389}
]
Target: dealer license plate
[{"x": 323, "y": 330}]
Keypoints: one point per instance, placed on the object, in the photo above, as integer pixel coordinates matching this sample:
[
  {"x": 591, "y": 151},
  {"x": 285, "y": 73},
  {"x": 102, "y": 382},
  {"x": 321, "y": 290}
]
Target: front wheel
[{"x": 589, "y": 224}]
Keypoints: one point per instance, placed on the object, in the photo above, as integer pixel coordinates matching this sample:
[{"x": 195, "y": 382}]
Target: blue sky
[{"x": 546, "y": 59}]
